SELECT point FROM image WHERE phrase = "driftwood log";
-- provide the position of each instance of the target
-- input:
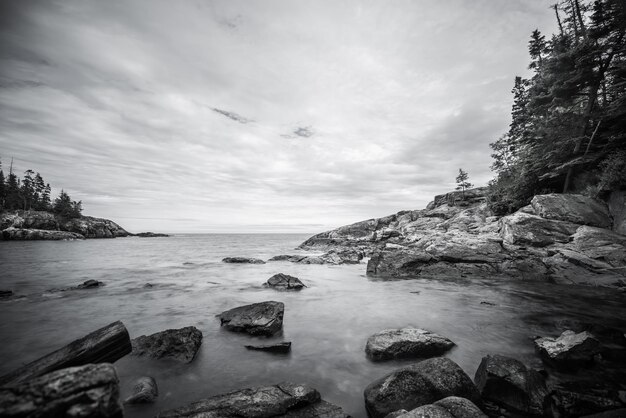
(105, 345)
(86, 391)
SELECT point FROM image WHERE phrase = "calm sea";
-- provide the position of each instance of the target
(328, 322)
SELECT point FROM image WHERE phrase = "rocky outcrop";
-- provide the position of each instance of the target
(177, 344)
(569, 350)
(423, 383)
(265, 318)
(145, 390)
(507, 383)
(450, 407)
(282, 281)
(582, 398)
(557, 238)
(85, 391)
(242, 260)
(282, 347)
(282, 400)
(150, 235)
(40, 225)
(406, 343)
(335, 257)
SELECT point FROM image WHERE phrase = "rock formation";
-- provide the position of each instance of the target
(561, 238)
(406, 343)
(178, 344)
(282, 281)
(264, 318)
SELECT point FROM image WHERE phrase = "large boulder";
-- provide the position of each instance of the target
(573, 208)
(242, 260)
(282, 281)
(406, 343)
(510, 385)
(281, 400)
(91, 390)
(569, 350)
(177, 344)
(420, 384)
(264, 318)
(21, 234)
(617, 208)
(450, 407)
(525, 229)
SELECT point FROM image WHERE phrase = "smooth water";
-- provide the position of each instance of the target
(328, 322)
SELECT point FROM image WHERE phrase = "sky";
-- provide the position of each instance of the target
(258, 116)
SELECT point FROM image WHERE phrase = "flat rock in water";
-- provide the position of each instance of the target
(264, 318)
(569, 350)
(85, 391)
(90, 284)
(282, 400)
(6, 294)
(242, 260)
(282, 281)
(283, 347)
(406, 343)
(150, 235)
(178, 344)
(420, 384)
(145, 390)
(509, 384)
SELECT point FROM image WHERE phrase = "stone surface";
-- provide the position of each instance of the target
(85, 391)
(282, 281)
(284, 400)
(406, 343)
(580, 398)
(569, 350)
(509, 384)
(282, 347)
(460, 407)
(145, 390)
(18, 234)
(617, 209)
(420, 384)
(264, 318)
(91, 227)
(573, 208)
(90, 284)
(242, 260)
(524, 229)
(177, 344)
(150, 235)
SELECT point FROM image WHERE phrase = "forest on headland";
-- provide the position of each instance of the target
(568, 128)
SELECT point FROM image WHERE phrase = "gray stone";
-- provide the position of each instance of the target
(145, 390)
(573, 208)
(20, 234)
(282, 281)
(177, 344)
(569, 350)
(282, 347)
(264, 318)
(242, 260)
(406, 343)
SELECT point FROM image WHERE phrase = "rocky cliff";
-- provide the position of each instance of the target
(36, 225)
(561, 238)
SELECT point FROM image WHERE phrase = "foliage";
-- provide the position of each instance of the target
(462, 181)
(64, 206)
(569, 117)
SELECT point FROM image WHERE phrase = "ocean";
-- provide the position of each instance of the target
(328, 322)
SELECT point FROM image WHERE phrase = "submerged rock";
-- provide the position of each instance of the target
(90, 284)
(420, 384)
(85, 391)
(6, 294)
(282, 347)
(406, 343)
(264, 318)
(282, 281)
(569, 350)
(177, 344)
(281, 400)
(145, 390)
(150, 235)
(509, 384)
(242, 260)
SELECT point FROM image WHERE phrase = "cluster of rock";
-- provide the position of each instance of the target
(334, 257)
(562, 238)
(41, 225)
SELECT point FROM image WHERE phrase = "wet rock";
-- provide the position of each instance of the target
(406, 343)
(242, 260)
(20, 234)
(177, 344)
(145, 390)
(282, 347)
(286, 257)
(284, 400)
(428, 411)
(264, 318)
(579, 398)
(335, 257)
(420, 384)
(91, 390)
(90, 284)
(396, 414)
(282, 281)
(569, 350)
(450, 407)
(509, 384)
(150, 235)
(573, 208)
(6, 294)
(616, 413)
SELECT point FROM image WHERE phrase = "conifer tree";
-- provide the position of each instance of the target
(462, 182)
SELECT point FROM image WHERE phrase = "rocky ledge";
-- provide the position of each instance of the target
(562, 238)
(40, 225)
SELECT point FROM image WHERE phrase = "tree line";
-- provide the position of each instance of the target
(31, 192)
(568, 128)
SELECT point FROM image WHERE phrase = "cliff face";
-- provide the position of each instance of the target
(35, 225)
(559, 238)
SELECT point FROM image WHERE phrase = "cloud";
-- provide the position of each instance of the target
(130, 105)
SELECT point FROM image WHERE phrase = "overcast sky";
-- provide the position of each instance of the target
(252, 116)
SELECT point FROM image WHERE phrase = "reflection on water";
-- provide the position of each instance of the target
(328, 322)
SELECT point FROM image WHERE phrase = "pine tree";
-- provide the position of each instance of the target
(65, 207)
(3, 192)
(462, 182)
